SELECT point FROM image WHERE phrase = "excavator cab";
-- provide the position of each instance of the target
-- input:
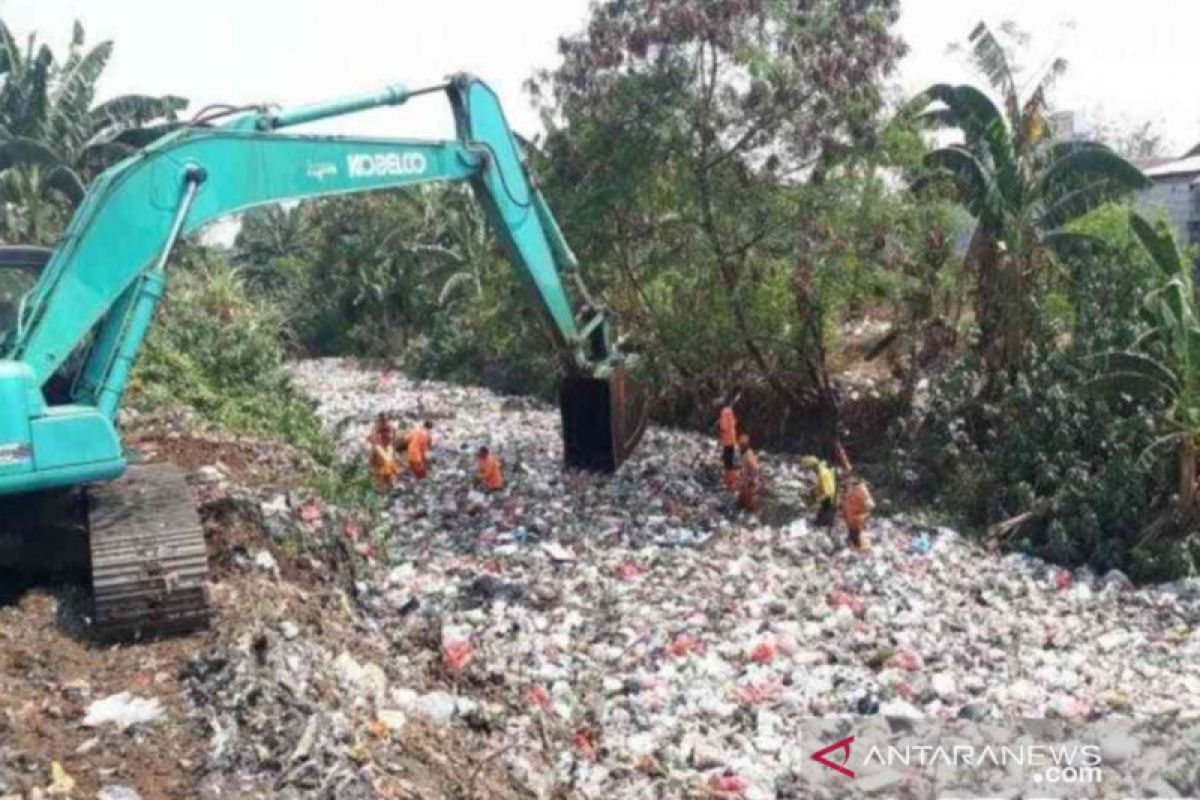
(603, 416)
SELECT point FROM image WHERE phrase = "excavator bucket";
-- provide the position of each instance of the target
(603, 420)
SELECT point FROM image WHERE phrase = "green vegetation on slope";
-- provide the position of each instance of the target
(221, 353)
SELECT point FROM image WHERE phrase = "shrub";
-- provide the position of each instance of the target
(222, 354)
(1046, 446)
(1047, 441)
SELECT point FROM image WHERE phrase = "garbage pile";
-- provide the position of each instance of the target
(646, 639)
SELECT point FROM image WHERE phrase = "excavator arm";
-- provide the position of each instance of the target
(126, 222)
(104, 280)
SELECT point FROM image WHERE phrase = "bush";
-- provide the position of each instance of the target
(1048, 442)
(1046, 446)
(222, 354)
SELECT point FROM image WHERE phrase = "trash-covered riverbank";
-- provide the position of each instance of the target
(573, 636)
(670, 642)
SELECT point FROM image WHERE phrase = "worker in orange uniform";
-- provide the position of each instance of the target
(750, 477)
(385, 469)
(855, 509)
(728, 436)
(419, 442)
(489, 470)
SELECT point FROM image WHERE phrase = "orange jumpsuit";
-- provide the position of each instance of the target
(419, 442)
(857, 506)
(490, 474)
(728, 438)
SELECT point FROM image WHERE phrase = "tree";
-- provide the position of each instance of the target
(689, 141)
(1023, 188)
(275, 249)
(367, 273)
(54, 139)
(1164, 366)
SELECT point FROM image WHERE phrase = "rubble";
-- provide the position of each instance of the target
(360, 681)
(266, 562)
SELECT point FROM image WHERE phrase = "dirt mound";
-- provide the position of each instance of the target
(225, 715)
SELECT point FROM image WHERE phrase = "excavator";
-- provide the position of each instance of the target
(68, 344)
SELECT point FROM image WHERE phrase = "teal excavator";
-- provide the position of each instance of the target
(69, 343)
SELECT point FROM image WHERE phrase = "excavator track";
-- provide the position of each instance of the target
(149, 561)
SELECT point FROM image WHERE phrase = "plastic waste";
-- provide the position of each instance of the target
(123, 710)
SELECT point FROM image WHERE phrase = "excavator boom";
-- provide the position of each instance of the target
(98, 293)
(105, 278)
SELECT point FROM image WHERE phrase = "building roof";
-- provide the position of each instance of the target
(1184, 166)
(1153, 161)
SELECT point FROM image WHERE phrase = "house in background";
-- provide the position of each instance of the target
(1175, 195)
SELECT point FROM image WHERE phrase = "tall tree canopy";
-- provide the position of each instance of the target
(689, 141)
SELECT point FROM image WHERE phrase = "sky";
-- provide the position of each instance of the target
(1129, 62)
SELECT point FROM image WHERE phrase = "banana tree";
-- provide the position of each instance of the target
(1022, 186)
(53, 137)
(1164, 365)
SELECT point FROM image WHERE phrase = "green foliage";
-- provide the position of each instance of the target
(1107, 284)
(699, 155)
(14, 283)
(1164, 365)
(413, 276)
(348, 484)
(217, 351)
(689, 194)
(1048, 445)
(1023, 187)
(1053, 443)
(53, 139)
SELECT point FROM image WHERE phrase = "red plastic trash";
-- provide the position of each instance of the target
(627, 570)
(906, 660)
(729, 785)
(683, 644)
(582, 741)
(763, 653)
(1063, 579)
(457, 655)
(760, 692)
(540, 697)
(839, 598)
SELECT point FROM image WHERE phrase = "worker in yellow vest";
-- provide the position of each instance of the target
(825, 491)
(385, 469)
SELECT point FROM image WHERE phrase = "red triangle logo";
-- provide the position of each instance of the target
(843, 745)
